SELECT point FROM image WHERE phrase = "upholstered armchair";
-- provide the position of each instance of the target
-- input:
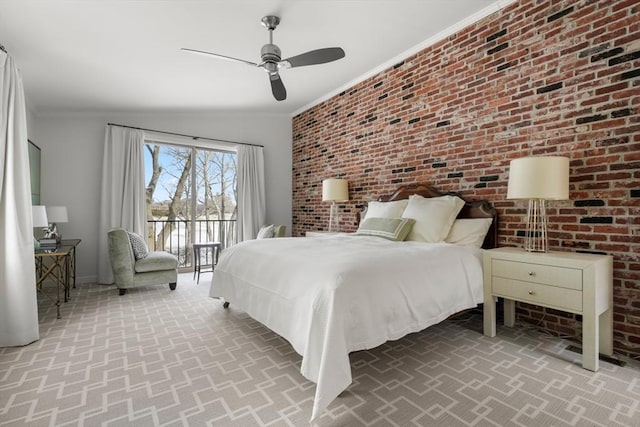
(154, 268)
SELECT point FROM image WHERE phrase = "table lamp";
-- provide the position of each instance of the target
(39, 215)
(56, 214)
(538, 179)
(334, 190)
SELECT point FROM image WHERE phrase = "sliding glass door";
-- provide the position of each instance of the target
(191, 198)
(215, 190)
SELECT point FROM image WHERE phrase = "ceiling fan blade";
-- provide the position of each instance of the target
(318, 56)
(215, 55)
(277, 87)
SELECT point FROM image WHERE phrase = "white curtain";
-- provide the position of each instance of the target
(18, 301)
(251, 192)
(122, 198)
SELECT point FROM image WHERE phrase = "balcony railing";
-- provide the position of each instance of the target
(176, 237)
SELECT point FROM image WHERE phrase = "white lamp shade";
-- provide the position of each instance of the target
(39, 214)
(335, 190)
(57, 214)
(542, 178)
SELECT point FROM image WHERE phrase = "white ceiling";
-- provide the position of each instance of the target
(124, 55)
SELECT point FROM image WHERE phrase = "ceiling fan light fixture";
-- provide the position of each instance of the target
(270, 67)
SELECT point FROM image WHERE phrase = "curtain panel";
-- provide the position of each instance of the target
(251, 191)
(122, 197)
(18, 300)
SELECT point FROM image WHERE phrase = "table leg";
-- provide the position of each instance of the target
(489, 316)
(67, 276)
(605, 331)
(590, 327)
(509, 312)
(73, 266)
(198, 266)
(58, 315)
(195, 263)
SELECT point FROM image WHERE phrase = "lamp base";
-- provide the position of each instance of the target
(331, 214)
(536, 231)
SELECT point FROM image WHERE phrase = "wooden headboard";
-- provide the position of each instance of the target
(471, 209)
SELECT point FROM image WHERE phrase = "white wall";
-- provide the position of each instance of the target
(72, 146)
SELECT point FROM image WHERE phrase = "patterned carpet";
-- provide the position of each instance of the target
(160, 358)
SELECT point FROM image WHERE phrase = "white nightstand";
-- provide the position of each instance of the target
(566, 281)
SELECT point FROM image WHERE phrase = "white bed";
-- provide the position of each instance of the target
(329, 296)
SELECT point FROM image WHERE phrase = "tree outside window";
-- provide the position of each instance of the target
(189, 201)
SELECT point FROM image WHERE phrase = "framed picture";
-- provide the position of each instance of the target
(34, 167)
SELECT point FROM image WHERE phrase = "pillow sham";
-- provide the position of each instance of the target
(434, 217)
(266, 231)
(469, 232)
(139, 246)
(385, 209)
(396, 229)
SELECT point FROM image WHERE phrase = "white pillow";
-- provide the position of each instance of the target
(469, 232)
(266, 232)
(385, 209)
(434, 217)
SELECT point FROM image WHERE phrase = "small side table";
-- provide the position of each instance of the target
(57, 264)
(572, 282)
(54, 264)
(215, 247)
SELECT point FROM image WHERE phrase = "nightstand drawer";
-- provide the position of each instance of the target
(535, 293)
(564, 277)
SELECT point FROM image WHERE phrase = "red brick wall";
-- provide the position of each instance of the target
(539, 77)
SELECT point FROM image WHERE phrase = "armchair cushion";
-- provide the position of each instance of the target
(156, 261)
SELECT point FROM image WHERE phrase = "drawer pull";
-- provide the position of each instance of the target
(531, 293)
(531, 273)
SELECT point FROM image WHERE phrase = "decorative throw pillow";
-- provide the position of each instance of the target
(266, 232)
(434, 217)
(469, 232)
(385, 209)
(138, 245)
(396, 229)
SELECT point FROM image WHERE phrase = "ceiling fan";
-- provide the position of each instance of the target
(271, 60)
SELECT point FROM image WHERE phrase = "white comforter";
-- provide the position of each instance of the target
(332, 295)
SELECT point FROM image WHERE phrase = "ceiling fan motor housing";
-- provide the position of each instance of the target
(270, 52)
(270, 55)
